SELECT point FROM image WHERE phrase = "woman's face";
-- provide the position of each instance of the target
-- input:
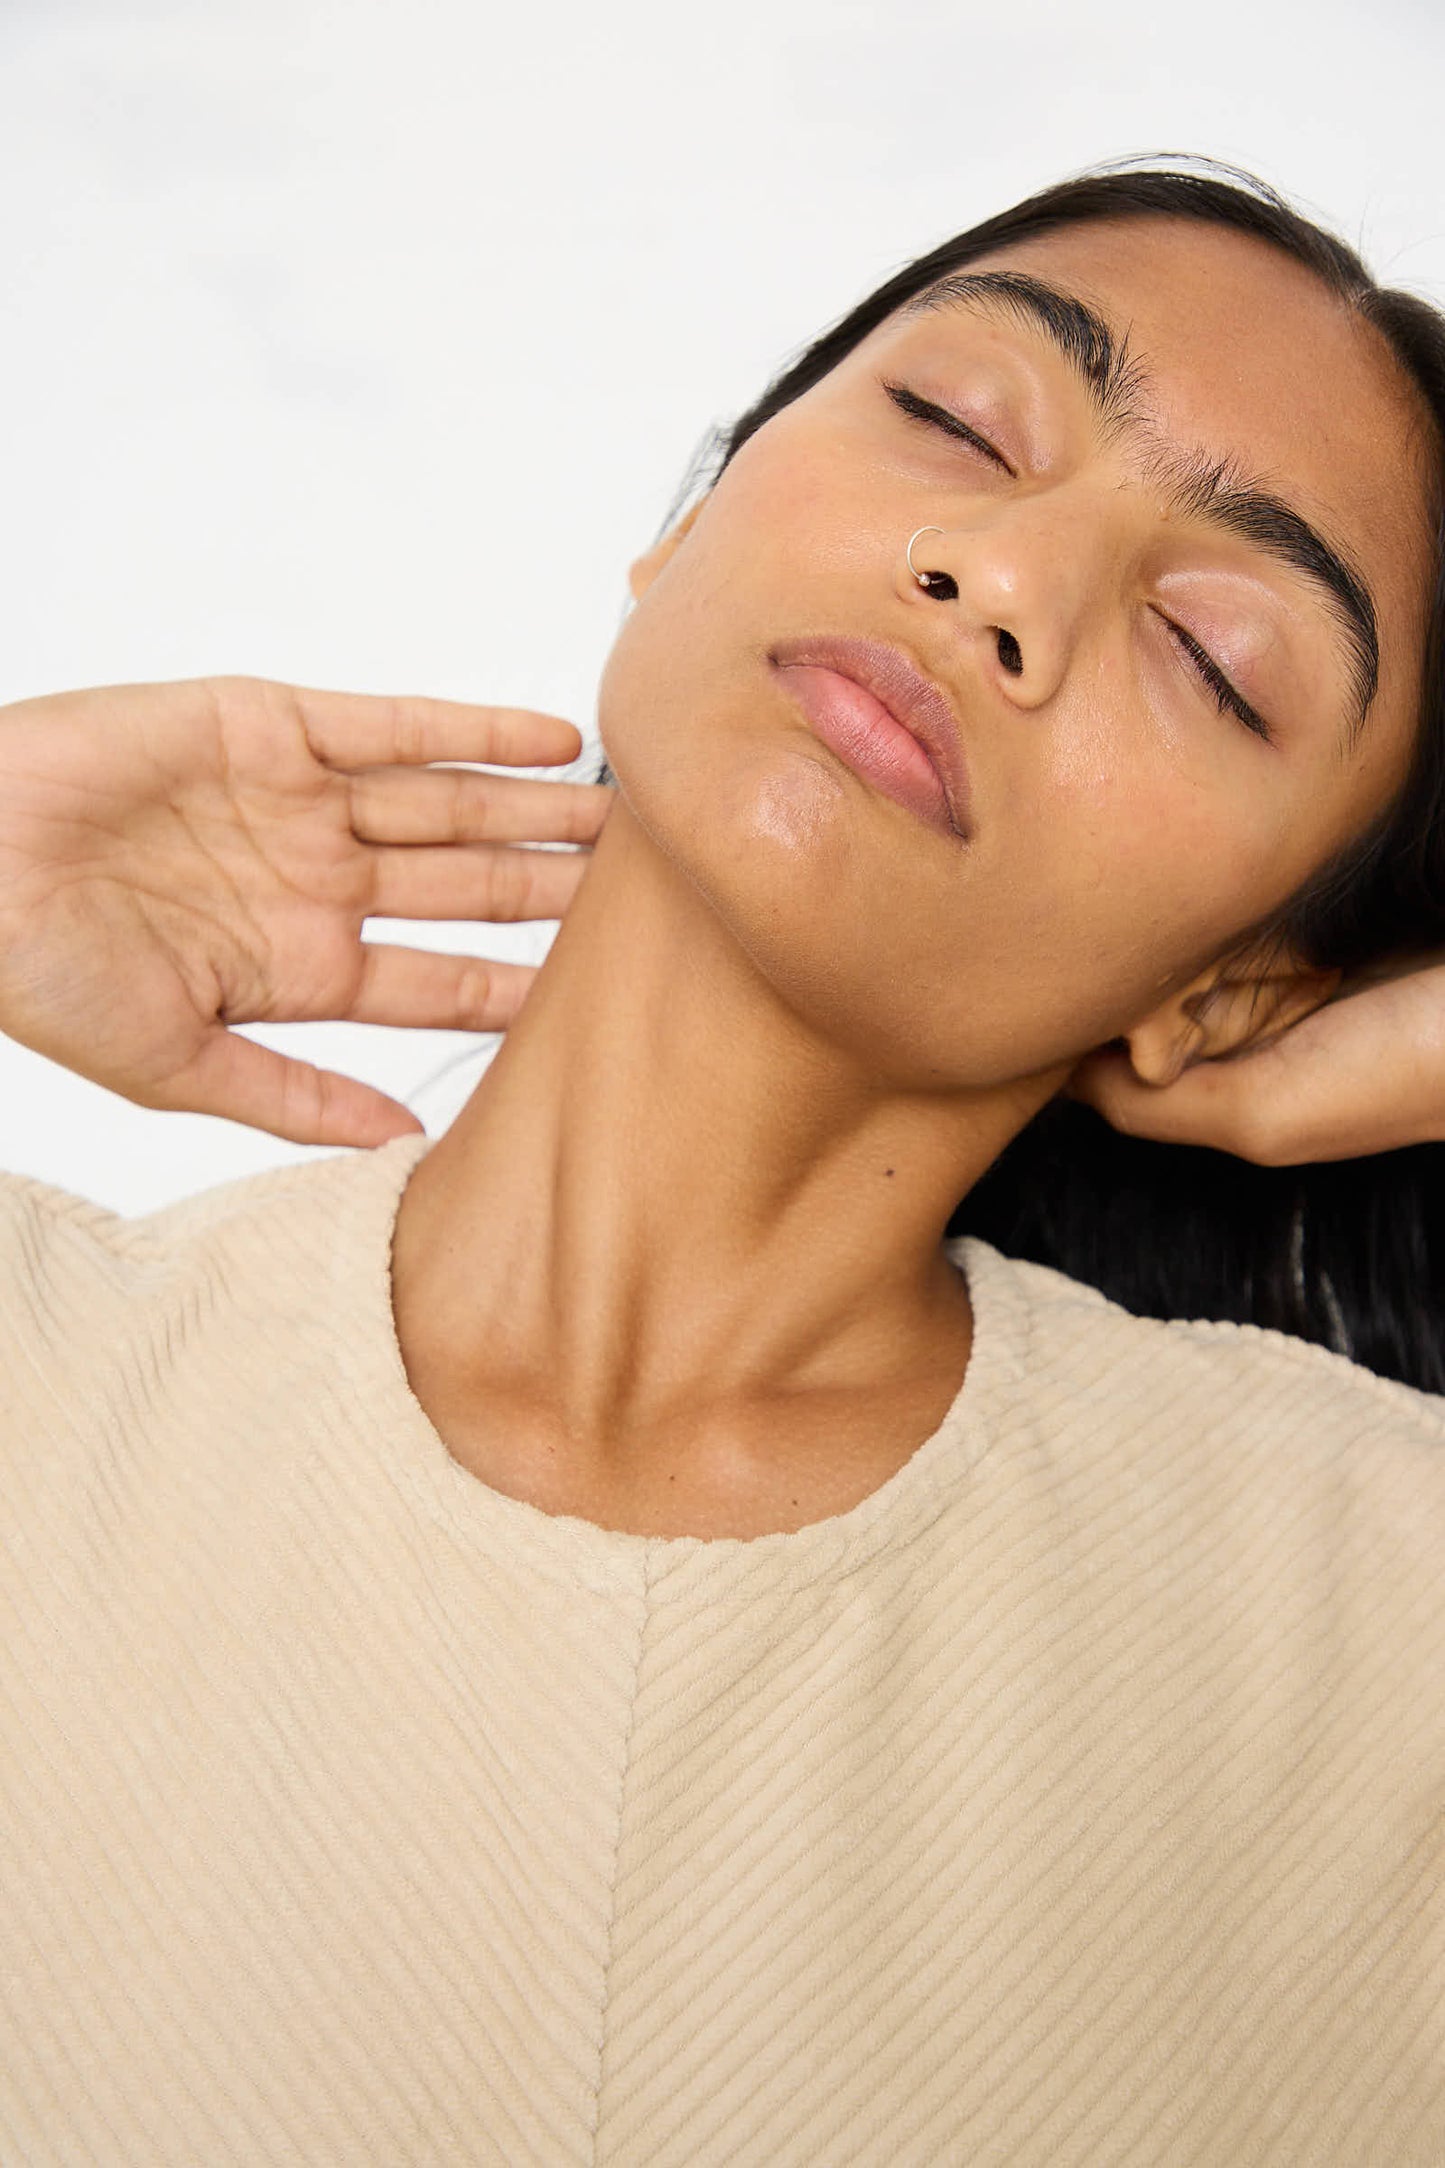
(1124, 828)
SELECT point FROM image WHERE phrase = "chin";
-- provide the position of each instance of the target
(789, 797)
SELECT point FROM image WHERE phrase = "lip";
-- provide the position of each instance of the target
(913, 701)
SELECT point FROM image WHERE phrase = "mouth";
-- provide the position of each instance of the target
(865, 730)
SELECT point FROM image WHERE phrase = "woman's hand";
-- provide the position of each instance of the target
(1364, 1073)
(178, 858)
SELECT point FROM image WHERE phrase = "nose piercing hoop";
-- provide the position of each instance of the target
(923, 578)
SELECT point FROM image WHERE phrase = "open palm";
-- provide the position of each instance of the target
(175, 859)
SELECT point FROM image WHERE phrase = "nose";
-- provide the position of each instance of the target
(1004, 597)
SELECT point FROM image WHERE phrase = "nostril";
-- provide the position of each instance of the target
(1010, 654)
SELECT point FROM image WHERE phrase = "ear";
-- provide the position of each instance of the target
(644, 570)
(1233, 1004)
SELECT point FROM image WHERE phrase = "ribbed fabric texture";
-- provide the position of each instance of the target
(1076, 1800)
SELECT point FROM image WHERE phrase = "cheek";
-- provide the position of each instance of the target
(1145, 862)
(793, 464)
(699, 735)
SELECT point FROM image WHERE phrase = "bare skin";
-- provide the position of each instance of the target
(1364, 1073)
(676, 1268)
(176, 859)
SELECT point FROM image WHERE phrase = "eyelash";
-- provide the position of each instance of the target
(937, 417)
(1228, 700)
(1224, 693)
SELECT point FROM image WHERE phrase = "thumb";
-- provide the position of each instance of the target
(231, 1076)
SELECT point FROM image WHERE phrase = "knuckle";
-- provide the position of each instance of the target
(362, 801)
(1120, 1112)
(515, 879)
(469, 805)
(226, 685)
(585, 815)
(407, 731)
(305, 1092)
(1256, 1133)
(233, 692)
(1117, 1106)
(475, 983)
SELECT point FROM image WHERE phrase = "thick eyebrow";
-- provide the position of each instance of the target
(1199, 487)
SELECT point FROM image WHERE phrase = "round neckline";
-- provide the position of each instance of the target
(568, 1548)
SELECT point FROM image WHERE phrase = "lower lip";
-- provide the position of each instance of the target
(860, 730)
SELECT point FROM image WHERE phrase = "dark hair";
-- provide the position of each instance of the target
(1350, 1253)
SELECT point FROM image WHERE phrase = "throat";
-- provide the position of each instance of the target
(768, 1468)
(747, 1462)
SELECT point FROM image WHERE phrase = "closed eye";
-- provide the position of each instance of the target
(1205, 668)
(1229, 701)
(937, 417)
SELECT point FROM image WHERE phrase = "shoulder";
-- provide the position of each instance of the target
(42, 1225)
(1198, 1373)
(142, 1358)
(76, 1276)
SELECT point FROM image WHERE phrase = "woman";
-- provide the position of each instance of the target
(607, 1637)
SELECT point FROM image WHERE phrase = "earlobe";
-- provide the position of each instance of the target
(1159, 1047)
(1223, 1012)
(644, 570)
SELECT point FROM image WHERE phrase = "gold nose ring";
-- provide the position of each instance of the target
(922, 578)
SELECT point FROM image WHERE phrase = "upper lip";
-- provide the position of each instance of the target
(910, 697)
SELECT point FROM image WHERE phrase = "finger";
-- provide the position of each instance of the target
(473, 880)
(352, 730)
(434, 992)
(455, 805)
(235, 1078)
(1215, 1103)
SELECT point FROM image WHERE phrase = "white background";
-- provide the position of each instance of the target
(363, 345)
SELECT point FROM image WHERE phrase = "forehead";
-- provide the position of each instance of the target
(1248, 358)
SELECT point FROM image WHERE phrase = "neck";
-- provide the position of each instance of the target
(669, 1197)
